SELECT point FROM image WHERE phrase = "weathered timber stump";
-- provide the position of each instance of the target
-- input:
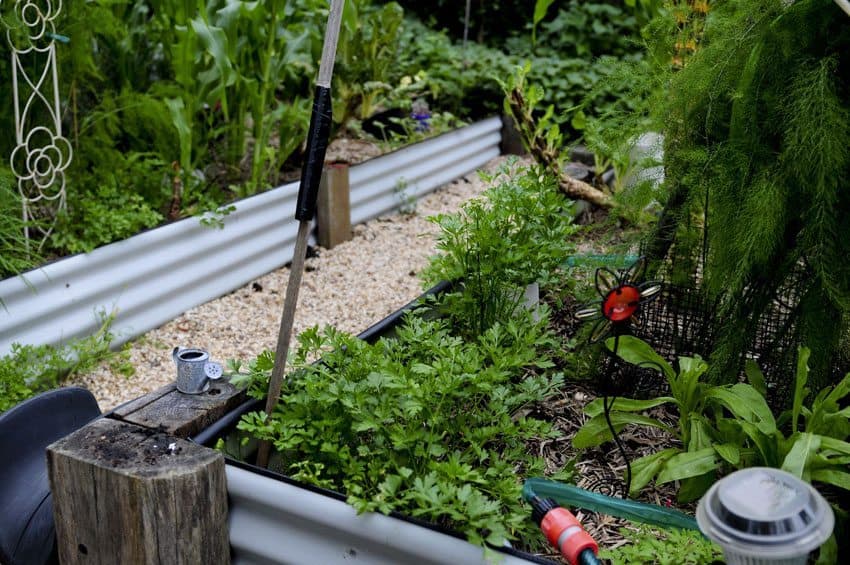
(128, 488)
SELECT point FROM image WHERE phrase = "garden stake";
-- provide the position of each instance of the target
(311, 174)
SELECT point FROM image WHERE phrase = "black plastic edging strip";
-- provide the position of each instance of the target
(226, 423)
(376, 331)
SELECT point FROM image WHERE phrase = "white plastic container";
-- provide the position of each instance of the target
(765, 516)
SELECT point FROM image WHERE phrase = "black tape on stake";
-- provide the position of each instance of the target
(317, 145)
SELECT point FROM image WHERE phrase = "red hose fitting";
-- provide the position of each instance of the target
(563, 530)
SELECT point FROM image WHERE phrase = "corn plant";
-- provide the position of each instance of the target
(366, 59)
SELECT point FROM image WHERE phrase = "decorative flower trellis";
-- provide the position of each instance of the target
(42, 153)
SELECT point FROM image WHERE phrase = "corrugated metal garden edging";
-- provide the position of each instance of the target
(153, 277)
(275, 523)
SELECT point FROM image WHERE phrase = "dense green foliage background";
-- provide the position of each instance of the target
(758, 156)
(174, 108)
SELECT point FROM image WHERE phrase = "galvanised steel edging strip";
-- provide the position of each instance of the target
(418, 169)
(275, 523)
(153, 277)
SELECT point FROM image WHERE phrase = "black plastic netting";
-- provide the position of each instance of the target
(682, 321)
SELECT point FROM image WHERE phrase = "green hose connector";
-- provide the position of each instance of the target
(571, 496)
(594, 260)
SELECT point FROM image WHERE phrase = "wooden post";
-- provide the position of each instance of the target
(127, 494)
(182, 415)
(333, 208)
(127, 488)
(511, 143)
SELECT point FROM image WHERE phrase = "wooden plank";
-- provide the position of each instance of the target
(142, 401)
(183, 415)
(126, 494)
(333, 206)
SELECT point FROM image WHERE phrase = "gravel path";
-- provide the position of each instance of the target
(350, 287)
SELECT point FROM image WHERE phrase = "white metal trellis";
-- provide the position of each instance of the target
(42, 153)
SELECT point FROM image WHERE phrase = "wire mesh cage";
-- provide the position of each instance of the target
(684, 321)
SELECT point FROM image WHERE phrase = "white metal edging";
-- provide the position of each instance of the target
(275, 523)
(153, 277)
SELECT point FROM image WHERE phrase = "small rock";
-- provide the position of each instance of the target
(582, 155)
(579, 171)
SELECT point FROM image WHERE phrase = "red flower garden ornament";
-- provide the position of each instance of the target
(622, 296)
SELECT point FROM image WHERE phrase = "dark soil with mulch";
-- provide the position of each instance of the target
(602, 469)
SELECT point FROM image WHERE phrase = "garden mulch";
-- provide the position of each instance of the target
(602, 469)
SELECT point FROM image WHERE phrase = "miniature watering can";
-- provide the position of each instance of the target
(194, 370)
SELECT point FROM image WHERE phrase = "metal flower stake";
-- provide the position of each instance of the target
(42, 153)
(622, 294)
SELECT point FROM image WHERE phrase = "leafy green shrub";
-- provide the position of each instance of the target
(110, 209)
(728, 427)
(518, 233)
(648, 546)
(365, 60)
(494, 23)
(459, 81)
(424, 423)
(31, 369)
(582, 30)
(466, 81)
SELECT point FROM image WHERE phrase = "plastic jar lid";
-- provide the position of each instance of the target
(764, 512)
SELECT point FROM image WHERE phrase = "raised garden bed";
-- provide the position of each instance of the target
(311, 523)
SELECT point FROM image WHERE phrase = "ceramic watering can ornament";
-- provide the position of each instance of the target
(194, 370)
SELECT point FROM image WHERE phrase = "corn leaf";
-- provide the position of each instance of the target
(645, 468)
(640, 353)
(833, 477)
(747, 404)
(797, 461)
(596, 432)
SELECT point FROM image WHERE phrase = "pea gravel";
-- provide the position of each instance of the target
(350, 287)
